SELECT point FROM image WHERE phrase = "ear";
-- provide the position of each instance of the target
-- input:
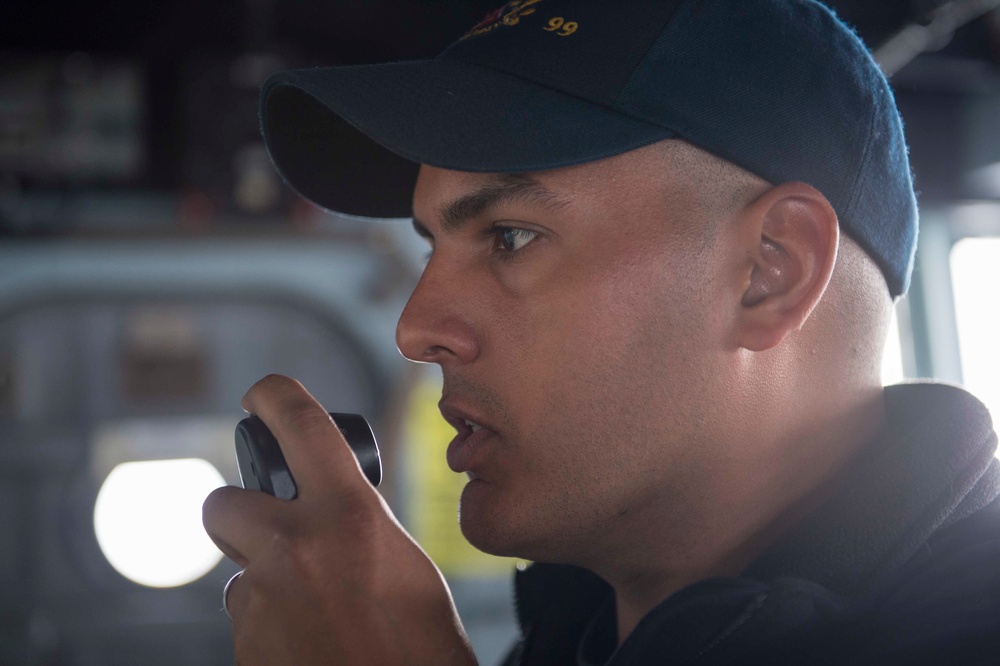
(790, 236)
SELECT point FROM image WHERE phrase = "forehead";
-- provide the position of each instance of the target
(637, 174)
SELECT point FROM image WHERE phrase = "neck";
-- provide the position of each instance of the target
(757, 497)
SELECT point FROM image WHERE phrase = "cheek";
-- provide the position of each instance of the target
(618, 345)
(632, 355)
(645, 320)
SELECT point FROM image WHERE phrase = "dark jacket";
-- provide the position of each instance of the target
(901, 566)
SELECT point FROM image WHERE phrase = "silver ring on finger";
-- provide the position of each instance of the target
(225, 594)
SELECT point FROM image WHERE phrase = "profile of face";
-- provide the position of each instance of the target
(579, 317)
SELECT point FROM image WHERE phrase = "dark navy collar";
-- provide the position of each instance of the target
(934, 468)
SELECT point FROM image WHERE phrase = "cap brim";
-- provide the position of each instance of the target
(351, 139)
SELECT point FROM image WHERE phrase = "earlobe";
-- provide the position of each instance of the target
(792, 241)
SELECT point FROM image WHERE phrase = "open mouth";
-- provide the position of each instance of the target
(462, 423)
(470, 446)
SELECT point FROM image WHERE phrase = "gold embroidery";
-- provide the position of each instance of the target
(565, 28)
(512, 13)
(509, 14)
(519, 9)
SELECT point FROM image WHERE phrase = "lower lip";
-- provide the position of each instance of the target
(465, 454)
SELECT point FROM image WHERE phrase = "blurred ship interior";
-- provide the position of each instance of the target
(153, 266)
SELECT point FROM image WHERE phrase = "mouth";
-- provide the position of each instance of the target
(471, 444)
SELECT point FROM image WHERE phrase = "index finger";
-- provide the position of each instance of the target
(313, 445)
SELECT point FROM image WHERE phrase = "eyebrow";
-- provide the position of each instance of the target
(502, 189)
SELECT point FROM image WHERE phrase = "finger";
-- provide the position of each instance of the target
(315, 450)
(237, 521)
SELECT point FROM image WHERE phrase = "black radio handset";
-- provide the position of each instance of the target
(262, 465)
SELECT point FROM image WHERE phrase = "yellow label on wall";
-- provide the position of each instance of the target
(434, 490)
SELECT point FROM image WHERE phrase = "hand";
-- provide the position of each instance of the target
(329, 577)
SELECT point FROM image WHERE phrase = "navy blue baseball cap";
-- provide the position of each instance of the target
(781, 88)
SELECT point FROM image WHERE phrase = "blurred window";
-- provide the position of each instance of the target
(147, 519)
(892, 357)
(975, 274)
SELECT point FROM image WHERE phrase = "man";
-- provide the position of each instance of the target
(666, 237)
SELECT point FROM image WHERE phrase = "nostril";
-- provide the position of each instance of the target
(434, 352)
(431, 340)
(409, 342)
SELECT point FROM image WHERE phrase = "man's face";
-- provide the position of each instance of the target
(575, 314)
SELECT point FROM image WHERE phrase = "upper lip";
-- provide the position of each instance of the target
(457, 416)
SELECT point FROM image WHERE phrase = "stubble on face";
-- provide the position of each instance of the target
(602, 378)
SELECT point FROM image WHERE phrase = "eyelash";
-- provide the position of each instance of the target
(499, 232)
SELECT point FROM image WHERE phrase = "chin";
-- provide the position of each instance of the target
(492, 543)
(486, 523)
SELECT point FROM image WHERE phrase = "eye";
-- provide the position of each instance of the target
(512, 239)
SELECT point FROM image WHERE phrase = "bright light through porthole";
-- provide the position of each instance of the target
(148, 520)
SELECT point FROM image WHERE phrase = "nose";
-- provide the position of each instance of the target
(435, 325)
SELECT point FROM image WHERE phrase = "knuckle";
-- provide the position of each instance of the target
(274, 385)
(350, 533)
(214, 503)
(306, 417)
(304, 562)
(307, 559)
(360, 511)
(274, 379)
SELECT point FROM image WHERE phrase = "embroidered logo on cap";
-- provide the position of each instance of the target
(509, 14)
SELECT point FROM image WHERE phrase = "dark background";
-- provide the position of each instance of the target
(199, 63)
